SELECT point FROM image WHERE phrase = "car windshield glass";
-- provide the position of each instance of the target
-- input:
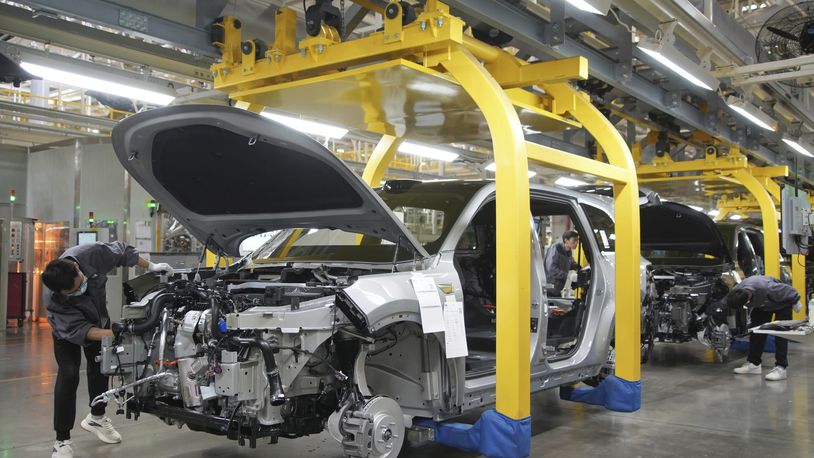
(427, 210)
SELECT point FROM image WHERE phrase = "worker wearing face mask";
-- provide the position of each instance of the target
(79, 319)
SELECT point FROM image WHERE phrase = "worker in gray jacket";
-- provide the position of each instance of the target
(79, 319)
(765, 296)
(559, 261)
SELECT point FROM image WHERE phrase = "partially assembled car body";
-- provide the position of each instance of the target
(322, 326)
(692, 271)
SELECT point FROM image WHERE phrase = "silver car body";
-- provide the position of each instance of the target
(412, 368)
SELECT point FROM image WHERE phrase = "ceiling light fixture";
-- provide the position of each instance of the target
(667, 55)
(570, 182)
(492, 167)
(713, 213)
(308, 127)
(600, 7)
(799, 148)
(97, 84)
(696, 208)
(735, 217)
(751, 112)
(427, 151)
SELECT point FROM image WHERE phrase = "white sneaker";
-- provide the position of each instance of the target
(102, 428)
(778, 373)
(62, 449)
(749, 368)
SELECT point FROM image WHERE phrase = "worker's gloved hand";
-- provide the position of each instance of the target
(797, 307)
(161, 267)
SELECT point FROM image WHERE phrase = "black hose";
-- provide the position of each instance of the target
(272, 373)
(159, 304)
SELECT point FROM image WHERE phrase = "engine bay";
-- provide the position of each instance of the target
(686, 304)
(215, 354)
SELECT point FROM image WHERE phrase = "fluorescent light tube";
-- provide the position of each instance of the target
(713, 213)
(308, 127)
(696, 208)
(569, 182)
(97, 84)
(585, 6)
(751, 112)
(798, 147)
(493, 166)
(735, 217)
(427, 151)
(679, 63)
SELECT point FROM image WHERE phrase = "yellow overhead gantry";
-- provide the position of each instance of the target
(765, 198)
(733, 167)
(431, 70)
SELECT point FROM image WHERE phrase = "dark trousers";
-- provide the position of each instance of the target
(758, 341)
(69, 357)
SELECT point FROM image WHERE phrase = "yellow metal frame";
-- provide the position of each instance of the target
(733, 167)
(436, 40)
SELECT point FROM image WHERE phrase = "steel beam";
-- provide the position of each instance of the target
(57, 116)
(48, 129)
(528, 33)
(139, 23)
(72, 35)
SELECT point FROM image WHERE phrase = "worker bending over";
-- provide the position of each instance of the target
(765, 296)
(79, 319)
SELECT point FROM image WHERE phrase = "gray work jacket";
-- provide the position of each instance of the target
(558, 261)
(768, 293)
(72, 317)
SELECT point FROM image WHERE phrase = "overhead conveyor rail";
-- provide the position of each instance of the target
(366, 84)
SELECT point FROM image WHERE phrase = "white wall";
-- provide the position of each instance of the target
(102, 185)
(51, 181)
(13, 176)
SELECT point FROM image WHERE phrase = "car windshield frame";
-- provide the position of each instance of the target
(449, 198)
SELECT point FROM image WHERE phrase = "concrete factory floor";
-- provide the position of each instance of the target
(691, 406)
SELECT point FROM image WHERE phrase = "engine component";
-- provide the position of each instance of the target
(276, 395)
(687, 306)
(190, 371)
(236, 378)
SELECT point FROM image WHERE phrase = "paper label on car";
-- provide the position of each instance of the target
(455, 332)
(429, 303)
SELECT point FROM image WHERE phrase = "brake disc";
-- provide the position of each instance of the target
(374, 430)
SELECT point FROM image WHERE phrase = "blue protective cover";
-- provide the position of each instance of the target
(494, 435)
(613, 393)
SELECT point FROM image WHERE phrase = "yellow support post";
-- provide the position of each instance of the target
(798, 281)
(771, 239)
(513, 249)
(212, 257)
(382, 155)
(626, 217)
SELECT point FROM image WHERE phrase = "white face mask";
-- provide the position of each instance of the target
(82, 288)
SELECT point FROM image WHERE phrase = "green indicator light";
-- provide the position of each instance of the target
(12, 198)
(110, 221)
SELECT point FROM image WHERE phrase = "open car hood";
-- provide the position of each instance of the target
(228, 174)
(675, 227)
